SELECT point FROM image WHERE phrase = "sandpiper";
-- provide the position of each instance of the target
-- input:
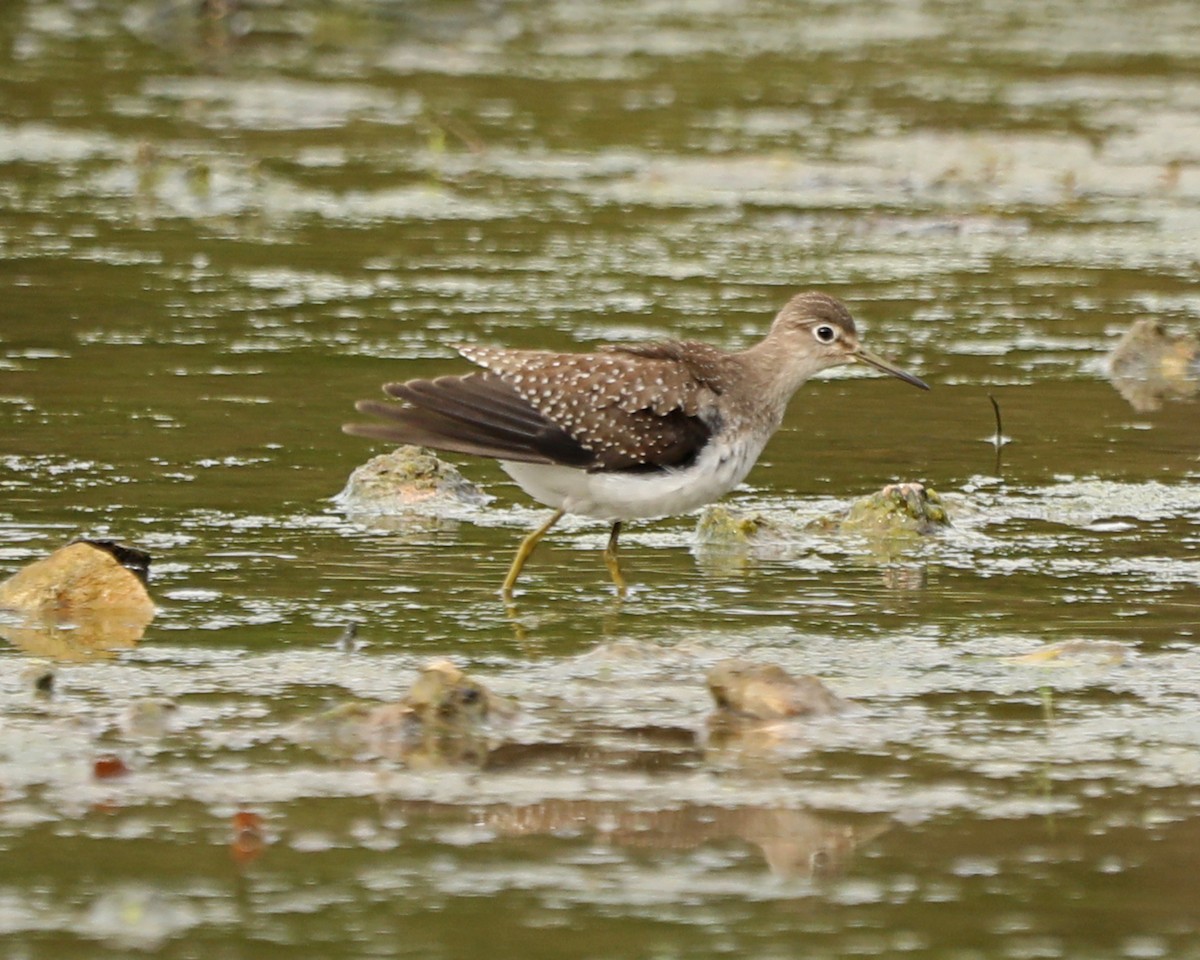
(631, 430)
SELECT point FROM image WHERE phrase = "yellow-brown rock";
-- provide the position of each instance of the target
(442, 720)
(84, 599)
(765, 691)
(1150, 364)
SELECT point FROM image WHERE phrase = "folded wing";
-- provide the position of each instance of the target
(611, 411)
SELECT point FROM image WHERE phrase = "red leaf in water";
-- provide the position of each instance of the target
(108, 767)
(246, 821)
(248, 842)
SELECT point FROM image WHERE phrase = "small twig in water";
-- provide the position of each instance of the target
(464, 133)
(998, 440)
(347, 641)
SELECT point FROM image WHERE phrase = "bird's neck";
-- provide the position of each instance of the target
(775, 370)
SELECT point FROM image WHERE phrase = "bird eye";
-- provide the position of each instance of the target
(825, 333)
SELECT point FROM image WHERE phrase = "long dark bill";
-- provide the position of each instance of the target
(867, 357)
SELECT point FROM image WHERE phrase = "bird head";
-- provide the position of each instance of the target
(822, 330)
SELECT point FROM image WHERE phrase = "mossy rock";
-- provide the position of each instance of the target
(719, 526)
(897, 509)
(405, 478)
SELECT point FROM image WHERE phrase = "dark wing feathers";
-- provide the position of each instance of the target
(624, 409)
(454, 397)
(401, 426)
(474, 414)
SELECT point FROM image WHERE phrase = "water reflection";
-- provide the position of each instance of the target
(794, 843)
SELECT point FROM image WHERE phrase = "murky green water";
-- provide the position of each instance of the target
(220, 228)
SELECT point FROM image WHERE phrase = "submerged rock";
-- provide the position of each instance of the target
(83, 600)
(765, 691)
(719, 526)
(443, 719)
(394, 483)
(1149, 365)
(897, 509)
(1077, 652)
(445, 697)
(728, 539)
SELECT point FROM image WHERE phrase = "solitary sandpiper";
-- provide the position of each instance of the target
(631, 430)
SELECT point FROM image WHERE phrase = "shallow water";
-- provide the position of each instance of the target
(221, 229)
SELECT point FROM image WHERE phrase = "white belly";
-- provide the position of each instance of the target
(627, 496)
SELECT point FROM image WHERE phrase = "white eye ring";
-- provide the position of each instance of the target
(825, 333)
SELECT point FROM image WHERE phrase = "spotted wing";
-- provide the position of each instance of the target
(616, 410)
(478, 414)
(631, 409)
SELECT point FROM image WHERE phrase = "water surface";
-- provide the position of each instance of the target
(221, 228)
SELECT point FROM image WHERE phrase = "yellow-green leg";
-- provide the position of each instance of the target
(525, 551)
(611, 561)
